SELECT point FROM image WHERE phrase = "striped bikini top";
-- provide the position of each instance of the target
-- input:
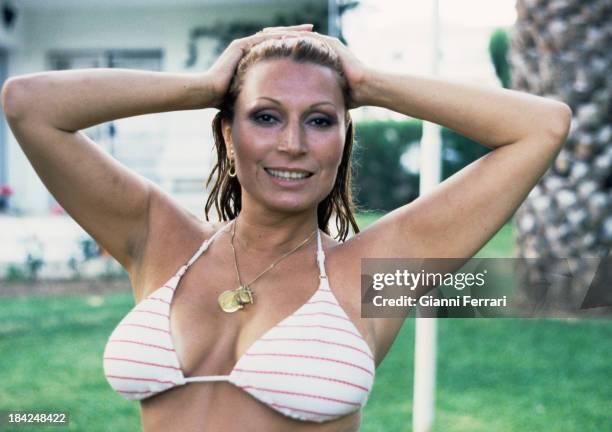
(313, 365)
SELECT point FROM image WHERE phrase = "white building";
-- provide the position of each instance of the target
(173, 149)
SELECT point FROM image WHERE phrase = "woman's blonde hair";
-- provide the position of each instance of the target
(226, 191)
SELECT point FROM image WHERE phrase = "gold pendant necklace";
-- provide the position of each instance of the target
(234, 300)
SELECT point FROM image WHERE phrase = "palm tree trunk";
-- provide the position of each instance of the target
(563, 49)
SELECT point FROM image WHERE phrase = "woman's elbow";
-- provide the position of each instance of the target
(12, 98)
(558, 122)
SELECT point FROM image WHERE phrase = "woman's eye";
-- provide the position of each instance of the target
(321, 121)
(264, 118)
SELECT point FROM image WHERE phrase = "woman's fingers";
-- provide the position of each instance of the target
(275, 33)
(250, 41)
(279, 32)
(302, 27)
(224, 67)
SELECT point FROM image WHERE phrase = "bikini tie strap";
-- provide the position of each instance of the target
(201, 249)
(320, 256)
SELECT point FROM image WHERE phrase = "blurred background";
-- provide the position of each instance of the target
(57, 285)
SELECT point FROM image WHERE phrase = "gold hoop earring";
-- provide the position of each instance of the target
(232, 167)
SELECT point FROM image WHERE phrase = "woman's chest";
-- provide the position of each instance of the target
(293, 310)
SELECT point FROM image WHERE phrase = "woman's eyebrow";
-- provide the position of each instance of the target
(311, 106)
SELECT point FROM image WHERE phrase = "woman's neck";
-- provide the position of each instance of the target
(271, 233)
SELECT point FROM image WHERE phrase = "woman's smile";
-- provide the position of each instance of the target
(289, 178)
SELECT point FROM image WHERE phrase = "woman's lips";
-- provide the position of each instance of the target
(288, 174)
(288, 177)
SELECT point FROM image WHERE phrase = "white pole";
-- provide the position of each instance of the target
(423, 403)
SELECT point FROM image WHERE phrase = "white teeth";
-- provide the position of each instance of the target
(287, 175)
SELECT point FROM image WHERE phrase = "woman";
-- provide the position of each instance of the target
(252, 345)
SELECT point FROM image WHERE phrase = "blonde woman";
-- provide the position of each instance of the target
(253, 322)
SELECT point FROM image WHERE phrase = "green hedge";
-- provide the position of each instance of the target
(381, 182)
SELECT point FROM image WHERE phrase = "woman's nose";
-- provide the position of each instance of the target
(292, 139)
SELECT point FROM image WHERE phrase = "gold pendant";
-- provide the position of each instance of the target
(233, 300)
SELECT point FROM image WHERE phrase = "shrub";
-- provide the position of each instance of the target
(381, 181)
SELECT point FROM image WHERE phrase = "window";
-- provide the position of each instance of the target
(147, 59)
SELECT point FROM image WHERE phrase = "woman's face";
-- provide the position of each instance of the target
(287, 134)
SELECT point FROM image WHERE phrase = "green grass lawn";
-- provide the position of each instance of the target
(493, 374)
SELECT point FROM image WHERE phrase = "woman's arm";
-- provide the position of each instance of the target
(460, 215)
(45, 112)
(491, 116)
(77, 99)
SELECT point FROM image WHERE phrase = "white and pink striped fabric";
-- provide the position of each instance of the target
(313, 365)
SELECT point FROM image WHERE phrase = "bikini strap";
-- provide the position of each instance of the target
(202, 248)
(320, 256)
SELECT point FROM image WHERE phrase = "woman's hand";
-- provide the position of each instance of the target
(221, 72)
